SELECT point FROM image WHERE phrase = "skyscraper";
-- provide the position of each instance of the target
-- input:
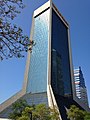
(81, 91)
(49, 71)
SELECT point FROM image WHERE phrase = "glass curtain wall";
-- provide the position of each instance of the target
(61, 76)
(37, 76)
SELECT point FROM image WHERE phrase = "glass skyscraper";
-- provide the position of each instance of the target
(81, 91)
(49, 72)
(50, 67)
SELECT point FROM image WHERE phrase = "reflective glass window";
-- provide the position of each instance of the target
(61, 76)
(37, 77)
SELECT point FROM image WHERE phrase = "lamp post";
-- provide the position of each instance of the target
(30, 113)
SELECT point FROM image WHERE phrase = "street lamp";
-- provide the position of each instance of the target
(30, 113)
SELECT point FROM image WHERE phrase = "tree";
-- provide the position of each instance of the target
(26, 113)
(12, 40)
(54, 113)
(41, 112)
(22, 111)
(75, 113)
(87, 116)
(17, 109)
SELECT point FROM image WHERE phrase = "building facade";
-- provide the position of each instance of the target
(49, 71)
(81, 91)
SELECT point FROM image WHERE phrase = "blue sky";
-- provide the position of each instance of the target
(77, 14)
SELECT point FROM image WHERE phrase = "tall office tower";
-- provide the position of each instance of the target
(49, 71)
(81, 91)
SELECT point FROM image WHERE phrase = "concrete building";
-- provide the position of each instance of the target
(49, 71)
(81, 91)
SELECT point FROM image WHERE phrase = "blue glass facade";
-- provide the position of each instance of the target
(60, 64)
(37, 76)
(61, 84)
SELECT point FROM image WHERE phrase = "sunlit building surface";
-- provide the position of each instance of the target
(81, 91)
(49, 72)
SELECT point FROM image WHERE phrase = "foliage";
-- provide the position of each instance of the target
(76, 114)
(87, 116)
(54, 113)
(41, 112)
(22, 111)
(12, 40)
(17, 109)
(26, 113)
